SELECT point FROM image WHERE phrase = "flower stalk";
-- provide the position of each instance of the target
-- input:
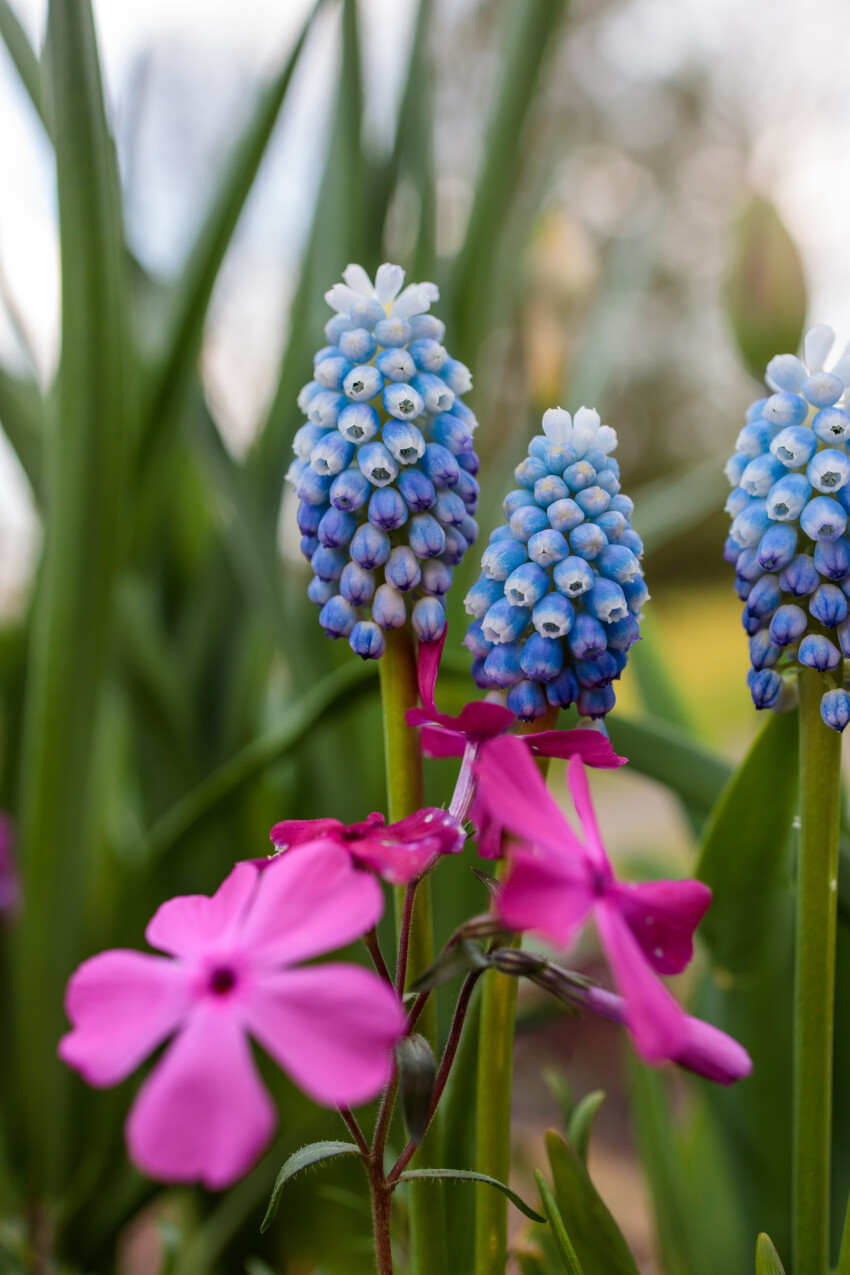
(817, 875)
(399, 692)
(495, 1081)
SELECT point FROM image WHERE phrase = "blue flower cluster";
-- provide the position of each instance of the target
(385, 467)
(561, 588)
(791, 496)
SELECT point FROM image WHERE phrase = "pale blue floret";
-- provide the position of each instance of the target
(786, 499)
(793, 447)
(553, 616)
(823, 519)
(367, 640)
(502, 665)
(832, 425)
(800, 577)
(505, 623)
(766, 688)
(832, 558)
(828, 470)
(760, 474)
(828, 605)
(526, 585)
(527, 700)
(387, 509)
(402, 569)
(428, 619)
(816, 651)
(776, 548)
(338, 617)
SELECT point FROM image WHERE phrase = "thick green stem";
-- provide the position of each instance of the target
(814, 994)
(399, 692)
(495, 1076)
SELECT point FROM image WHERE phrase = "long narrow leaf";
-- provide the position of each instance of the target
(467, 1175)
(194, 289)
(85, 471)
(24, 59)
(21, 412)
(316, 1153)
(566, 1252)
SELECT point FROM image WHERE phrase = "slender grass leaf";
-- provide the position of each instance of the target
(595, 1235)
(672, 757)
(85, 471)
(192, 293)
(21, 412)
(336, 238)
(553, 1216)
(581, 1123)
(767, 1258)
(744, 855)
(342, 687)
(558, 1083)
(24, 59)
(843, 1267)
(532, 36)
(668, 507)
(467, 1175)
(316, 1153)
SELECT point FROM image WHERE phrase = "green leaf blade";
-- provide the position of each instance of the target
(566, 1251)
(468, 1175)
(315, 1153)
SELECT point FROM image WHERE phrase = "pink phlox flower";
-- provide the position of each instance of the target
(482, 720)
(556, 881)
(705, 1050)
(234, 971)
(398, 852)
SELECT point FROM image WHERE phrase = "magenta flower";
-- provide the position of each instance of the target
(704, 1050)
(556, 881)
(398, 852)
(233, 971)
(478, 722)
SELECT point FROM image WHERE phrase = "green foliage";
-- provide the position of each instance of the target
(767, 1258)
(316, 1153)
(467, 1175)
(766, 288)
(566, 1252)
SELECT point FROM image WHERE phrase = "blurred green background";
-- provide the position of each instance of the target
(594, 186)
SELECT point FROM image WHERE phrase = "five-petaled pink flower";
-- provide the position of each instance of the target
(555, 882)
(398, 852)
(232, 972)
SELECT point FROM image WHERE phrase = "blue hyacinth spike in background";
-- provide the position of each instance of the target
(791, 479)
(561, 589)
(385, 466)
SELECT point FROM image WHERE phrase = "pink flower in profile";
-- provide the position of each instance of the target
(556, 881)
(398, 852)
(234, 971)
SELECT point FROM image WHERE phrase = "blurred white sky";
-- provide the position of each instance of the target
(779, 62)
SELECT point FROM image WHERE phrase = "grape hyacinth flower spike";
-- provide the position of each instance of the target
(398, 852)
(233, 970)
(561, 590)
(790, 475)
(555, 882)
(385, 465)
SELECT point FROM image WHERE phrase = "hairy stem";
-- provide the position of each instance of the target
(814, 992)
(399, 692)
(381, 1197)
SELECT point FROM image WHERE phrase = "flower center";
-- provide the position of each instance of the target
(222, 980)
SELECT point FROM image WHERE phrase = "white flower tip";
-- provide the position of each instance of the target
(388, 282)
(817, 344)
(785, 372)
(557, 425)
(339, 298)
(357, 279)
(587, 418)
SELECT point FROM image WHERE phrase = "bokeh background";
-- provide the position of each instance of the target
(626, 203)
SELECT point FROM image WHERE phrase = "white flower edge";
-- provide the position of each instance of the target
(581, 432)
(416, 298)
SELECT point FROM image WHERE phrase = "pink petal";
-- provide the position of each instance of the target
(188, 924)
(331, 1028)
(427, 668)
(481, 719)
(709, 1052)
(122, 1005)
(592, 746)
(489, 831)
(550, 895)
(655, 1019)
(404, 850)
(310, 903)
(291, 832)
(437, 741)
(512, 789)
(577, 780)
(663, 915)
(203, 1114)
